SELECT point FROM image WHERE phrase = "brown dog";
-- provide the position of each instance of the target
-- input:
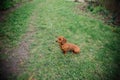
(65, 47)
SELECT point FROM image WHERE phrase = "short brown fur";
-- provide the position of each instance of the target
(65, 47)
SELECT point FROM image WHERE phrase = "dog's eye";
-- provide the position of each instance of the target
(59, 38)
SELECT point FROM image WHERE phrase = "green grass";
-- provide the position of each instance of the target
(99, 57)
(15, 24)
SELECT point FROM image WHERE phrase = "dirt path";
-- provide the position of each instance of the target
(17, 56)
(38, 56)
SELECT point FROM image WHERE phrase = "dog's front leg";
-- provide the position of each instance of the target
(64, 52)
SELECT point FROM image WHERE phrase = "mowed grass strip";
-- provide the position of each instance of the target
(98, 60)
(15, 24)
(96, 40)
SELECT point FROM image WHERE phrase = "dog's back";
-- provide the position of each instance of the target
(70, 47)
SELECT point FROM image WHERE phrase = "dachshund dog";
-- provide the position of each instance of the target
(65, 47)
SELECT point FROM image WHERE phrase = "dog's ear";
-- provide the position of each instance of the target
(64, 41)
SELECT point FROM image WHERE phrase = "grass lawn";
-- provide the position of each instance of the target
(99, 43)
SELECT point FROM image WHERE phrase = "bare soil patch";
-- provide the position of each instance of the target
(17, 56)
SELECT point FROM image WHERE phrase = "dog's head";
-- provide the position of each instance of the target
(61, 40)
